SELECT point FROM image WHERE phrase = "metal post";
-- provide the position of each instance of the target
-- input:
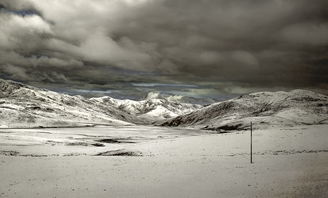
(251, 149)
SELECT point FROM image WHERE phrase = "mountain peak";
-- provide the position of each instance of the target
(153, 95)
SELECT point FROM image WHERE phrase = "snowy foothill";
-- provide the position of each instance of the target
(264, 109)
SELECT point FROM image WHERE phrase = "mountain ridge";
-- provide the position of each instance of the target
(27, 106)
(264, 109)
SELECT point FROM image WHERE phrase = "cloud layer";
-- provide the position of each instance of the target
(98, 43)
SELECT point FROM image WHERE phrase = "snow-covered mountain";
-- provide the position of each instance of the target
(264, 109)
(180, 99)
(154, 107)
(26, 106)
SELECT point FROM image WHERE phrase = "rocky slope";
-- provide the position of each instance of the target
(264, 109)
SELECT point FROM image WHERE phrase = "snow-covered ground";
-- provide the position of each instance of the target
(163, 162)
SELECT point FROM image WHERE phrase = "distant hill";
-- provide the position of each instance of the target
(264, 109)
(154, 107)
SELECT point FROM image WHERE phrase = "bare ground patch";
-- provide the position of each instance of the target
(120, 152)
(116, 141)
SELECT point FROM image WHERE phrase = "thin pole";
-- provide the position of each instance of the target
(251, 149)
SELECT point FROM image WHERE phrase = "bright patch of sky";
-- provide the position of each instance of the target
(163, 85)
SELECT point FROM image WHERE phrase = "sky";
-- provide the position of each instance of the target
(199, 48)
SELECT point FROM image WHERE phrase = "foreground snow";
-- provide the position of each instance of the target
(289, 162)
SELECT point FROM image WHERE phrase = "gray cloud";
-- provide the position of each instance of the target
(307, 33)
(16, 4)
(241, 43)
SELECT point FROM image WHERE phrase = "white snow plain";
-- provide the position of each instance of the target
(141, 161)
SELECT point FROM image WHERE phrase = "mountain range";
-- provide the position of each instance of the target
(27, 106)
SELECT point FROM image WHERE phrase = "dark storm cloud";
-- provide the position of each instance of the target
(16, 5)
(243, 44)
(247, 41)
